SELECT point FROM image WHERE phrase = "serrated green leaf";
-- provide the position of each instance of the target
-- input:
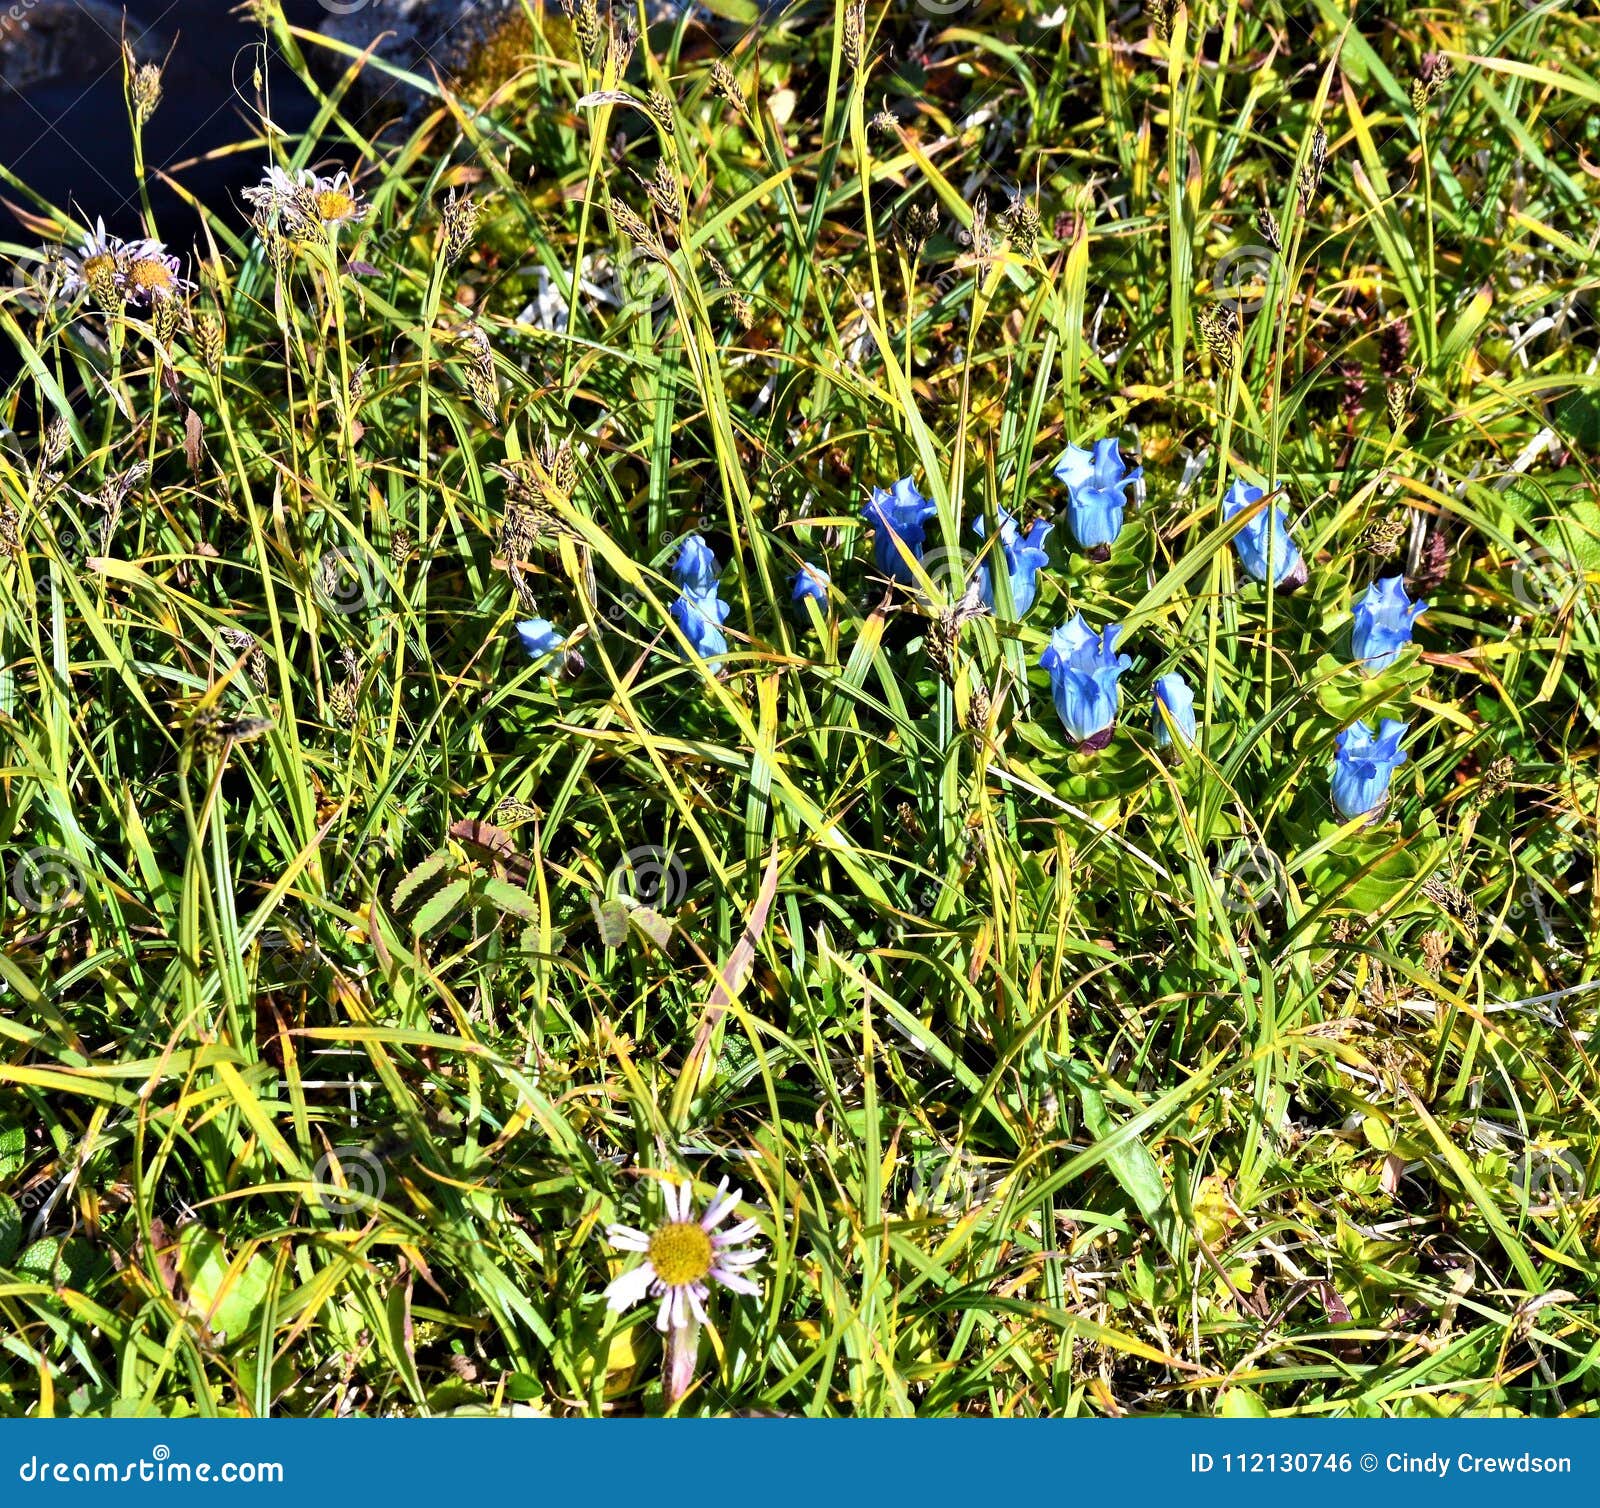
(441, 906)
(416, 880)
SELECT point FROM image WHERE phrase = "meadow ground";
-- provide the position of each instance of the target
(429, 874)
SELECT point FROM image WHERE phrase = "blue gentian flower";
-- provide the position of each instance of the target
(1173, 694)
(1023, 555)
(701, 615)
(1267, 532)
(540, 637)
(1363, 765)
(1096, 482)
(812, 582)
(696, 568)
(1083, 670)
(899, 511)
(1383, 623)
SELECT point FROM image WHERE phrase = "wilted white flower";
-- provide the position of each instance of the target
(684, 1256)
(98, 258)
(305, 201)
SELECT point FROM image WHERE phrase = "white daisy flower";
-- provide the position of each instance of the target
(337, 201)
(684, 1256)
(275, 193)
(150, 274)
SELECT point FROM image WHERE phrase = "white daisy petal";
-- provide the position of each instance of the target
(664, 1315)
(629, 1289)
(721, 1203)
(626, 1238)
(735, 1283)
(734, 1234)
(697, 1301)
(680, 1201)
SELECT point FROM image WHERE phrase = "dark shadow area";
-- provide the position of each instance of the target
(64, 127)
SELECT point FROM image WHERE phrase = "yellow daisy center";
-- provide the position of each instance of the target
(680, 1253)
(333, 204)
(151, 277)
(98, 266)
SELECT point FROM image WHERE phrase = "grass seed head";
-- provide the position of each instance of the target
(727, 85)
(144, 86)
(855, 31)
(1312, 170)
(457, 227)
(56, 435)
(1267, 224)
(661, 111)
(1162, 13)
(1022, 225)
(1219, 325)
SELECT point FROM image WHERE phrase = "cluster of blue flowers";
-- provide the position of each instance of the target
(1083, 665)
(698, 611)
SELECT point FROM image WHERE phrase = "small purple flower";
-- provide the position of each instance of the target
(1023, 555)
(1384, 619)
(1083, 668)
(811, 583)
(1364, 764)
(696, 568)
(701, 614)
(1096, 481)
(898, 512)
(1264, 542)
